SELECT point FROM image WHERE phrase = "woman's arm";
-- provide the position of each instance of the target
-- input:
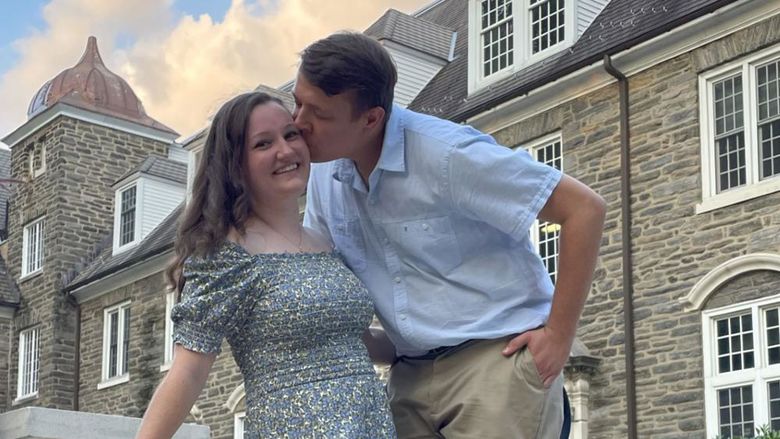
(176, 393)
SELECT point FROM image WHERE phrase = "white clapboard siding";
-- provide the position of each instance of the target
(159, 199)
(587, 10)
(415, 69)
(178, 153)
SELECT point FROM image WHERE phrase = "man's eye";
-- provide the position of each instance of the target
(292, 135)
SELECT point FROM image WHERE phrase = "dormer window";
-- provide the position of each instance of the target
(496, 36)
(38, 159)
(547, 24)
(506, 36)
(126, 216)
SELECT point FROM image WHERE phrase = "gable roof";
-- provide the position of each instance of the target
(621, 25)
(158, 241)
(160, 167)
(413, 32)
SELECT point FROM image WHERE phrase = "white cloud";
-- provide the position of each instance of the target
(181, 70)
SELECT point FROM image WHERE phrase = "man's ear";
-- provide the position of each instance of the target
(374, 117)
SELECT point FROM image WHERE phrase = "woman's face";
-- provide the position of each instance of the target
(275, 158)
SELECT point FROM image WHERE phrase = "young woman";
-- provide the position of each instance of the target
(247, 271)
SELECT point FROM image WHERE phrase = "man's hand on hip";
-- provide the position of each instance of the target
(550, 351)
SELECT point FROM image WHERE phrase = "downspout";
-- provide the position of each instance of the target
(625, 208)
(77, 356)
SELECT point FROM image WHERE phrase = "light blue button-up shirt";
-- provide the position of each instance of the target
(441, 235)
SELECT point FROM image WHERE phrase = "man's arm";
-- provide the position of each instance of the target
(580, 212)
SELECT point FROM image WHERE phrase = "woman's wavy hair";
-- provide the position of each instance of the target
(220, 196)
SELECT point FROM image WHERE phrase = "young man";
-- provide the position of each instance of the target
(434, 218)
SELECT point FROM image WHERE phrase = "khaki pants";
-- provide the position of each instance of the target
(474, 392)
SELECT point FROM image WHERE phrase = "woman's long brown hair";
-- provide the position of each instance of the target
(220, 197)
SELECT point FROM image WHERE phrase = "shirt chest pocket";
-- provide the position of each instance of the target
(427, 244)
(348, 238)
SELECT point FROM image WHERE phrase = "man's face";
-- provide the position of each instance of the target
(327, 122)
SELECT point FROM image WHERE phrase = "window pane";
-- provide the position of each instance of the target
(732, 354)
(735, 410)
(125, 339)
(497, 35)
(731, 161)
(548, 234)
(772, 336)
(769, 139)
(547, 24)
(127, 217)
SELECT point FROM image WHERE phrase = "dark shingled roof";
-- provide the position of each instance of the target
(9, 293)
(422, 35)
(621, 25)
(161, 167)
(158, 241)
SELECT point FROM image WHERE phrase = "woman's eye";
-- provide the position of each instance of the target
(292, 135)
(262, 144)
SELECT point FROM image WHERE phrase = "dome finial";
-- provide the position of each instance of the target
(91, 54)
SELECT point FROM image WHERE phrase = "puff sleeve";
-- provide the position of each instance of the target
(216, 299)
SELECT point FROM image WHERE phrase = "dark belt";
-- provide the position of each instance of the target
(440, 351)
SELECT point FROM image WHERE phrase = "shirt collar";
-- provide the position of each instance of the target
(393, 156)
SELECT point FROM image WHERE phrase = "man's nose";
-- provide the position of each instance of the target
(301, 122)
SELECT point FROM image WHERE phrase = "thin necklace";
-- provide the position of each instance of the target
(300, 236)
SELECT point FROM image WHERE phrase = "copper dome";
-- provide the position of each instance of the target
(91, 86)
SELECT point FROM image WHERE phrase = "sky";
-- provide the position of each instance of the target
(183, 58)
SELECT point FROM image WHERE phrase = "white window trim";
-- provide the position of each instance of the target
(25, 242)
(711, 200)
(107, 381)
(36, 172)
(238, 425)
(522, 42)
(757, 377)
(139, 194)
(170, 300)
(20, 396)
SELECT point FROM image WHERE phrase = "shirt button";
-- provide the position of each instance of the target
(403, 317)
(385, 241)
(425, 226)
(397, 280)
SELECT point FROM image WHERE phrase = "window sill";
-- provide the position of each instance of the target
(114, 381)
(24, 399)
(165, 367)
(739, 195)
(32, 275)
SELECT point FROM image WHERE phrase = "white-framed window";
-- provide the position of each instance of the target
(32, 247)
(38, 159)
(116, 343)
(546, 236)
(238, 425)
(127, 215)
(740, 130)
(507, 35)
(170, 300)
(27, 381)
(742, 367)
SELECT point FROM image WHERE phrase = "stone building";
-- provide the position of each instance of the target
(670, 110)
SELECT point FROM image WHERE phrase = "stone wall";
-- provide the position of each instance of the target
(146, 354)
(673, 247)
(83, 160)
(6, 334)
